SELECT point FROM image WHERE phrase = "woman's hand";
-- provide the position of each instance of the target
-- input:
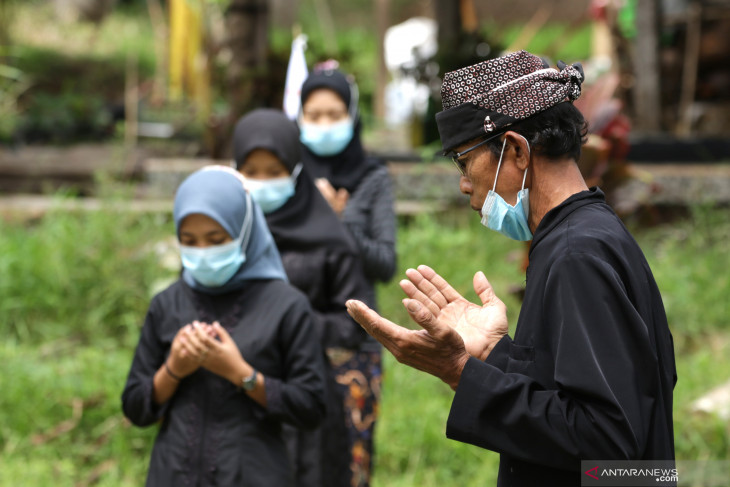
(188, 351)
(186, 355)
(223, 357)
(337, 198)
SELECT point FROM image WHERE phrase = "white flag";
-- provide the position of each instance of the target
(296, 73)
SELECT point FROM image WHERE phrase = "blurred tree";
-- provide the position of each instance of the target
(160, 27)
(646, 66)
(382, 9)
(253, 77)
(5, 21)
(247, 39)
(94, 11)
(460, 43)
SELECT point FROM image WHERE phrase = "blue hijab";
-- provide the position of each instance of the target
(217, 192)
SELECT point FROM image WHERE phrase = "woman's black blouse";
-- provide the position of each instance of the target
(211, 432)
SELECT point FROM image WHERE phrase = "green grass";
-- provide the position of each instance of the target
(76, 275)
(75, 288)
(569, 43)
(41, 381)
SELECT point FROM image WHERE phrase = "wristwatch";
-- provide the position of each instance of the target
(248, 383)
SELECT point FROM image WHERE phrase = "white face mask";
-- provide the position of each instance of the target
(498, 215)
(327, 140)
(271, 194)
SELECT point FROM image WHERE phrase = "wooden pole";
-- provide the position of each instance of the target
(689, 72)
(324, 14)
(469, 18)
(381, 20)
(647, 90)
(159, 27)
(447, 14)
(131, 102)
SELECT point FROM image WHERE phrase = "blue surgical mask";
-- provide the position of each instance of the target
(271, 194)
(215, 265)
(327, 140)
(499, 215)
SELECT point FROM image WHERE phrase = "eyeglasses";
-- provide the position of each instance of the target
(461, 164)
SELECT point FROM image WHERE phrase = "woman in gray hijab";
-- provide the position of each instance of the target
(228, 352)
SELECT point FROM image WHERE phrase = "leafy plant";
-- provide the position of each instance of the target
(77, 274)
(12, 85)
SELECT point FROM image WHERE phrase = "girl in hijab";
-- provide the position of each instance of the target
(320, 259)
(358, 188)
(227, 353)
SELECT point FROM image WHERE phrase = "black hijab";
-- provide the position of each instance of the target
(306, 220)
(346, 169)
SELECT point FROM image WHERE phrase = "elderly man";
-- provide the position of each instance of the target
(590, 371)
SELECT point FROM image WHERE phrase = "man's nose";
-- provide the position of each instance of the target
(465, 185)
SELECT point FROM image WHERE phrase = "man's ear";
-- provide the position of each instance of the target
(521, 149)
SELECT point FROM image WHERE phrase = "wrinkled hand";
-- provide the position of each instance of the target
(223, 357)
(434, 300)
(437, 349)
(187, 351)
(337, 198)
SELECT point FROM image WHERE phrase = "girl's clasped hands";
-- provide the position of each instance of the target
(199, 344)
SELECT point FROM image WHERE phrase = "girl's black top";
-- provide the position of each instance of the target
(211, 432)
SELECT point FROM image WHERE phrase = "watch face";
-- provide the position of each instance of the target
(250, 382)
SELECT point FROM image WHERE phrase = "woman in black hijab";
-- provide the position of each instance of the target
(320, 259)
(358, 188)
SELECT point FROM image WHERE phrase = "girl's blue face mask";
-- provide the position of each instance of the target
(215, 265)
(271, 194)
(327, 140)
(506, 219)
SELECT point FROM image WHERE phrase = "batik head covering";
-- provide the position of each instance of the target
(306, 220)
(486, 99)
(218, 193)
(346, 169)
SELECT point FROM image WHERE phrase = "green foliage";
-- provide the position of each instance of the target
(76, 274)
(557, 41)
(411, 445)
(73, 74)
(41, 441)
(66, 117)
(12, 85)
(690, 262)
(700, 436)
(354, 49)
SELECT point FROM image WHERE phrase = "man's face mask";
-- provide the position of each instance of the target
(327, 140)
(271, 194)
(506, 219)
